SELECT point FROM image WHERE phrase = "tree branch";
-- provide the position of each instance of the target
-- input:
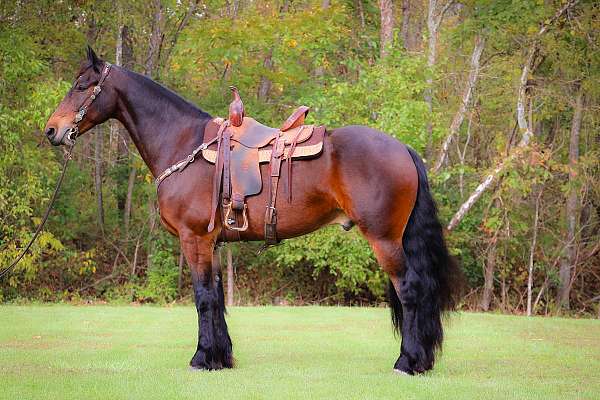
(521, 118)
(180, 27)
(466, 99)
(443, 12)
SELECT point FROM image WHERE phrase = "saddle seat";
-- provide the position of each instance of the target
(253, 134)
(238, 151)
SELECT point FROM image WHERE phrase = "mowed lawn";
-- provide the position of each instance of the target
(123, 352)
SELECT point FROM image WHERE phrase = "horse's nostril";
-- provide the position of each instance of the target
(49, 132)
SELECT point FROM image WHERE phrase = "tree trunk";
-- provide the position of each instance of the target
(113, 139)
(98, 178)
(432, 28)
(524, 143)
(465, 101)
(405, 29)
(434, 20)
(532, 253)
(229, 277)
(490, 268)
(410, 32)
(156, 39)
(152, 208)
(119, 47)
(235, 9)
(503, 294)
(128, 201)
(361, 13)
(387, 27)
(569, 259)
(488, 276)
(127, 61)
(180, 276)
(284, 6)
(91, 35)
(135, 256)
(265, 82)
(92, 30)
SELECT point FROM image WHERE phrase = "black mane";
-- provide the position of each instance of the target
(164, 92)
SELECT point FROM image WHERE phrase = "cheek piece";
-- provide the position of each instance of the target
(72, 134)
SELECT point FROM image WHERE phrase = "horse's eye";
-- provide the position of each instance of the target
(80, 87)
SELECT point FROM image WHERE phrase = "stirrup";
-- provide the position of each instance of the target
(232, 226)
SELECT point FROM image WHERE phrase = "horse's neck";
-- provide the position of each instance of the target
(164, 127)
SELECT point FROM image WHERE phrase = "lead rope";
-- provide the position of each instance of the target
(71, 136)
(6, 270)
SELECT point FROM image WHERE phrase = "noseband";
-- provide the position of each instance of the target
(74, 131)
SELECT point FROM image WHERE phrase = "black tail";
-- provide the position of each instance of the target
(432, 281)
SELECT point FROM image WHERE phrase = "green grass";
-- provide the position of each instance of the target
(102, 352)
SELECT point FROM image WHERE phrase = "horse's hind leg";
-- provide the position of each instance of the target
(425, 280)
(380, 197)
(382, 186)
(384, 228)
(415, 355)
(214, 343)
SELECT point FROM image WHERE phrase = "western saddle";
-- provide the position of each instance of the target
(237, 146)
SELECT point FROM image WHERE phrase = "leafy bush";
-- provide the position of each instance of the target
(160, 285)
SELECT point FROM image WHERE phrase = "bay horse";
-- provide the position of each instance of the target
(367, 178)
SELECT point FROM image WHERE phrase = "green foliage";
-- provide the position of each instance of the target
(387, 96)
(347, 256)
(329, 60)
(21, 185)
(161, 279)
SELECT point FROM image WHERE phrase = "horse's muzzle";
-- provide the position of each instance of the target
(65, 136)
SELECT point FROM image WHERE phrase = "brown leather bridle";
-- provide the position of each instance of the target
(71, 135)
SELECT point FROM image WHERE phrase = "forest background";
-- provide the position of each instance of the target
(500, 97)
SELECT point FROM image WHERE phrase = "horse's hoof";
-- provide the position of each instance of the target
(404, 367)
(212, 366)
(400, 372)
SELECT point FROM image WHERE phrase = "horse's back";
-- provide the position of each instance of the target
(363, 151)
(360, 173)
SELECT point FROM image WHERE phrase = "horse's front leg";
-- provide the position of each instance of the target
(214, 343)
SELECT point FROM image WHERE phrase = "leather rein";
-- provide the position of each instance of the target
(71, 136)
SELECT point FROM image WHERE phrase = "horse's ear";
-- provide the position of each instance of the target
(93, 59)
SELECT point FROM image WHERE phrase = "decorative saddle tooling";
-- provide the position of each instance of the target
(237, 146)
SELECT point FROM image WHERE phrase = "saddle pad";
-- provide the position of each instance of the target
(256, 135)
(310, 148)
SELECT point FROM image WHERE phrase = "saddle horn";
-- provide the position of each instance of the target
(236, 108)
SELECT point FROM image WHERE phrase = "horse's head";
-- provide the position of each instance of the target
(88, 103)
